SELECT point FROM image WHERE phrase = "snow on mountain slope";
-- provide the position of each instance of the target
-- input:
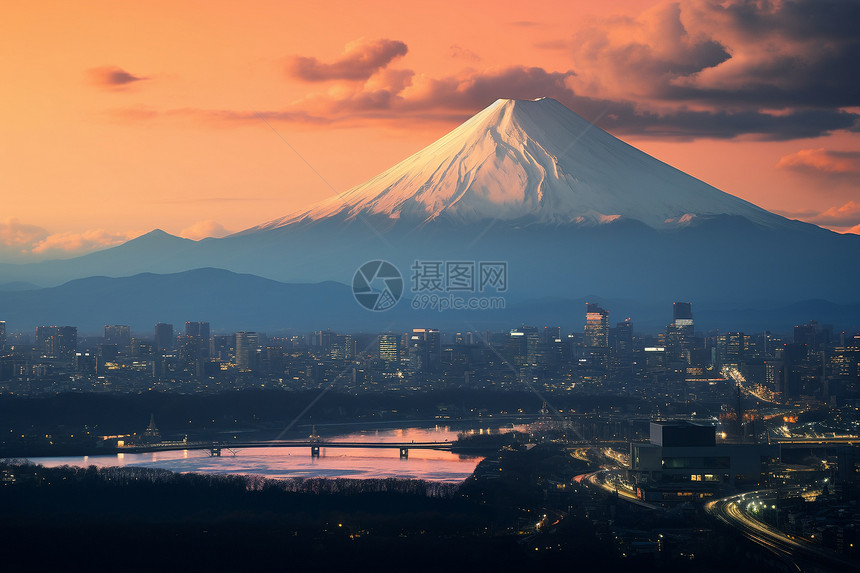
(534, 160)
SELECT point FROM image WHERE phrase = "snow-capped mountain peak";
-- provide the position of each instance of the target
(533, 160)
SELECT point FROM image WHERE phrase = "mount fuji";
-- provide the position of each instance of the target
(536, 162)
(572, 210)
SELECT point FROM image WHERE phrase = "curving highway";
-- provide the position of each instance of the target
(796, 553)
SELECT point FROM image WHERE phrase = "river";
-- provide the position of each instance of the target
(361, 463)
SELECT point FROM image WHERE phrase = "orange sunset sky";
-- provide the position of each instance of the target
(121, 117)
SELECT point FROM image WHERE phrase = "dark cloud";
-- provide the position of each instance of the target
(359, 61)
(112, 77)
(724, 124)
(743, 53)
(824, 20)
(453, 99)
(681, 70)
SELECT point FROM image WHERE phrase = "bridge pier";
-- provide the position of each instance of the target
(315, 451)
(404, 453)
(215, 452)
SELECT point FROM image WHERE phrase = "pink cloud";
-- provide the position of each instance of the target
(203, 229)
(71, 243)
(14, 233)
(823, 162)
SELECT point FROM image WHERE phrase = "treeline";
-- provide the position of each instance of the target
(22, 473)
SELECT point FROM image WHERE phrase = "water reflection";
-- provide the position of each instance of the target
(429, 465)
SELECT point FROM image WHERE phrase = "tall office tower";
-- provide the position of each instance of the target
(223, 346)
(813, 335)
(46, 340)
(343, 347)
(682, 315)
(389, 348)
(679, 334)
(596, 326)
(323, 339)
(735, 346)
(2, 335)
(550, 334)
(67, 342)
(623, 348)
(425, 345)
(791, 378)
(196, 343)
(247, 345)
(119, 335)
(596, 335)
(163, 338)
(528, 340)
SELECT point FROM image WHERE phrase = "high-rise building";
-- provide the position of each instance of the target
(163, 338)
(679, 334)
(425, 347)
(682, 315)
(596, 340)
(57, 341)
(247, 346)
(196, 343)
(323, 339)
(119, 335)
(2, 335)
(596, 326)
(735, 347)
(813, 335)
(67, 342)
(528, 341)
(46, 338)
(623, 348)
(389, 348)
(343, 347)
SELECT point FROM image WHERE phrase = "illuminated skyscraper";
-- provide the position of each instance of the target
(596, 336)
(425, 346)
(57, 341)
(679, 334)
(343, 347)
(682, 314)
(247, 344)
(529, 340)
(596, 326)
(2, 335)
(389, 348)
(46, 338)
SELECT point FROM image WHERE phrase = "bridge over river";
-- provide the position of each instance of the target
(216, 448)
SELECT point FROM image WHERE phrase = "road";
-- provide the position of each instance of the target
(797, 553)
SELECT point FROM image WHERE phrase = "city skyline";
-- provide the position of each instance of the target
(164, 110)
